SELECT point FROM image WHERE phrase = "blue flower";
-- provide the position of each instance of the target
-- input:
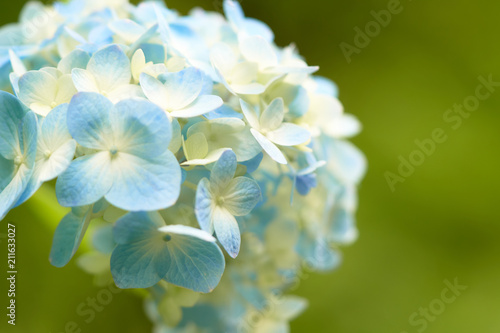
(108, 73)
(180, 94)
(148, 251)
(55, 150)
(223, 197)
(45, 89)
(269, 129)
(130, 165)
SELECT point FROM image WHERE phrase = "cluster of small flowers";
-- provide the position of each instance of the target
(177, 136)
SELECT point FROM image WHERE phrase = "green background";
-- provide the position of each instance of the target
(441, 223)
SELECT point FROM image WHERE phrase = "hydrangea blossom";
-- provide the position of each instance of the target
(176, 140)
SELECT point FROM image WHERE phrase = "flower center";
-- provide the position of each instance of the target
(47, 154)
(113, 151)
(53, 104)
(167, 238)
(19, 160)
(220, 201)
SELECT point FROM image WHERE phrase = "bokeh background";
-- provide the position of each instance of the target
(442, 223)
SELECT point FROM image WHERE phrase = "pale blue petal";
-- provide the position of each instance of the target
(11, 193)
(254, 163)
(154, 90)
(255, 27)
(68, 237)
(55, 139)
(223, 112)
(188, 43)
(88, 120)
(251, 114)
(139, 265)
(127, 29)
(29, 138)
(126, 91)
(241, 196)
(300, 104)
(17, 65)
(317, 252)
(289, 134)
(326, 86)
(84, 81)
(76, 59)
(135, 227)
(7, 172)
(234, 13)
(181, 255)
(269, 147)
(200, 106)
(145, 184)
(56, 150)
(346, 161)
(227, 231)
(141, 259)
(249, 89)
(273, 115)
(28, 147)
(204, 206)
(103, 240)
(37, 87)
(140, 128)
(305, 183)
(223, 172)
(110, 67)
(197, 263)
(87, 180)
(176, 142)
(11, 114)
(256, 49)
(182, 87)
(343, 228)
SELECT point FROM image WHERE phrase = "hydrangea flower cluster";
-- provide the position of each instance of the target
(209, 165)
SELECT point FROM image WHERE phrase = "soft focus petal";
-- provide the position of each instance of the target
(227, 231)
(154, 90)
(68, 237)
(269, 147)
(258, 50)
(140, 128)
(88, 120)
(204, 206)
(223, 172)
(241, 196)
(273, 115)
(111, 68)
(87, 180)
(182, 88)
(289, 135)
(197, 261)
(145, 185)
(200, 106)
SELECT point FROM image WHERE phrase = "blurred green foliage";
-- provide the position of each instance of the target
(441, 223)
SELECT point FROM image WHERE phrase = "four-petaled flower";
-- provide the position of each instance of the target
(108, 73)
(223, 197)
(269, 129)
(182, 94)
(131, 166)
(45, 89)
(148, 251)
